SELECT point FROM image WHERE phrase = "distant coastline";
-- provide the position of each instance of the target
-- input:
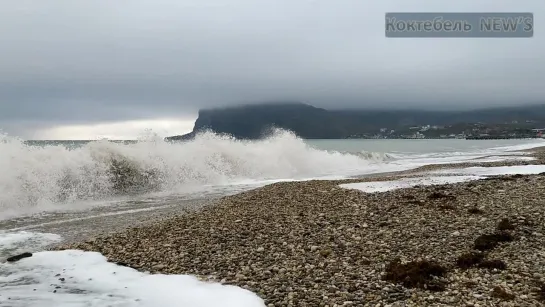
(308, 122)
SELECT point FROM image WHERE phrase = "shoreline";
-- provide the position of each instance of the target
(313, 243)
(78, 226)
(74, 226)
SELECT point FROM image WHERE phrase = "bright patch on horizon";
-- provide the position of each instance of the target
(126, 130)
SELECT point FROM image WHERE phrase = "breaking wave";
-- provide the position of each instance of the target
(39, 175)
(373, 156)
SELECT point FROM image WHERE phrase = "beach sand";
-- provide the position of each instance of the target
(314, 243)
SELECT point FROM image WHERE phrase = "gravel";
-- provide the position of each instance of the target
(315, 244)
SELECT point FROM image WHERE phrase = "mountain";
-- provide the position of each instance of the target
(309, 122)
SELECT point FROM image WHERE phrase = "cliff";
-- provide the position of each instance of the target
(309, 122)
(253, 121)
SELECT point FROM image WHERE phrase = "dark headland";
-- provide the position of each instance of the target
(253, 121)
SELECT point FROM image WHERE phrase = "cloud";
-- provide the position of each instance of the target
(67, 63)
(125, 130)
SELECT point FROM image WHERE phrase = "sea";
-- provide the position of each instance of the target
(52, 191)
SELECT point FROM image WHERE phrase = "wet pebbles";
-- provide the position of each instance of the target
(316, 244)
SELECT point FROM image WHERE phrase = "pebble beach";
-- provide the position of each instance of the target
(314, 243)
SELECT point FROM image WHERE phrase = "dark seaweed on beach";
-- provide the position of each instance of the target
(490, 241)
(510, 178)
(541, 292)
(447, 207)
(417, 274)
(18, 257)
(505, 224)
(414, 202)
(500, 293)
(440, 195)
(475, 210)
(493, 264)
(469, 260)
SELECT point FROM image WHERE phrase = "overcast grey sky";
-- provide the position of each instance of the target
(112, 64)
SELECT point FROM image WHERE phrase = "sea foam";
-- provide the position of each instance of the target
(449, 176)
(77, 278)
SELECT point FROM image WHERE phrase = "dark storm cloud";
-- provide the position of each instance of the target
(93, 61)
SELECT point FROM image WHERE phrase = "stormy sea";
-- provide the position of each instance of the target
(52, 191)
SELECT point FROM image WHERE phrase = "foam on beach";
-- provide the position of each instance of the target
(23, 241)
(495, 171)
(383, 186)
(450, 176)
(77, 278)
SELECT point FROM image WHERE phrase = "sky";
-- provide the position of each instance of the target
(92, 69)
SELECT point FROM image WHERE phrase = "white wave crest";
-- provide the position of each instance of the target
(38, 176)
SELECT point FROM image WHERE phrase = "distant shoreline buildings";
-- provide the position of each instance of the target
(469, 132)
